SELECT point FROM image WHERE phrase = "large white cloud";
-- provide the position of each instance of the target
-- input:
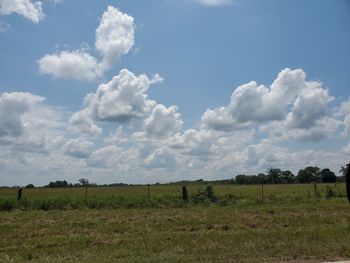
(12, 108)
(144, 140)
(114, 38)
(163, 121)
(78, 65)
(290, 103)
(26, 8)
(122, 99)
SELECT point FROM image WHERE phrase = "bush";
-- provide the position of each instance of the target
(330, 192)
(7, 204)
(204, 195)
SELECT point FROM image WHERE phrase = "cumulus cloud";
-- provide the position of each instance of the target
(310, 106)
(78, 65)
(79, 147)
(144, 140)
(290, 103)
(163, 121)
(344, 112)
(214, 2)
(122, 99)
(114, 38)
(105, 157)
(26, 8)
(12, 108)
(82, 122)
(160, 159)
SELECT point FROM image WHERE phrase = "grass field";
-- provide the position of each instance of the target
(290, 224)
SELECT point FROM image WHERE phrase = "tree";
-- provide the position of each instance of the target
(58, 184)
(328, 176)
(344, 169)
(287, 177)
(273, 176)
(84, 182)
(309, 174)
(241, 179)
(29, 186)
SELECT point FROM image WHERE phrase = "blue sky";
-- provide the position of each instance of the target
(179, 104)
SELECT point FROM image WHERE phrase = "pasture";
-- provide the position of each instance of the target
(123, 224)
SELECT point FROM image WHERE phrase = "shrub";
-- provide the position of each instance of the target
(7, 204)
(330, 192)
(204, 195)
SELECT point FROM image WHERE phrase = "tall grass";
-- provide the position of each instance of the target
(164, 196)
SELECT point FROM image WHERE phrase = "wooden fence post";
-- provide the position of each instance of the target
(184, 194)
(315, 189)
(348, 182)
(19, 194)
(262, 191)
(148, 191)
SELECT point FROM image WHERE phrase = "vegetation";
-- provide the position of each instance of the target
(164, 196)
(221, 223)
(278, 217)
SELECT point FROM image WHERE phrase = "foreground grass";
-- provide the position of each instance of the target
(311, 231)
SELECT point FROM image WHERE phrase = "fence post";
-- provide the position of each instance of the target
(184, 194)
(86, 187)
(315, 189)
(348, 181)
(148, 191)
(19, 194)
(262, 192)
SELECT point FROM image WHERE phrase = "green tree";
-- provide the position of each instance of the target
(309, 174)
(273, 176)
(328, 176)
(84, 182)
(287, 177)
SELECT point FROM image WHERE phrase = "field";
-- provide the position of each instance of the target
(123, 224)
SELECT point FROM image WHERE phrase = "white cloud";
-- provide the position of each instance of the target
(346, 149)
(79, 147)
(291, 105)
(82, 122)
(12, 108)
(163, 121)
(344, 112)
(347, 124)
(214, 2)
(105, 157)
(160, 159)
(122, 99)
(26, 8)
(144, 141)
(77, 65)
(310, 106)
(114, 38)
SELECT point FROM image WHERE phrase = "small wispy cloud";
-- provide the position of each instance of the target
(214, 2)
(4, 26)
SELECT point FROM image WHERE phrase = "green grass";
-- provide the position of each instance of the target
(291, 224)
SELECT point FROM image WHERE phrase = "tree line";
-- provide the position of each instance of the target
(310, 174)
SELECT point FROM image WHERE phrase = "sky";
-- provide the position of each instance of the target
(166, 90)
